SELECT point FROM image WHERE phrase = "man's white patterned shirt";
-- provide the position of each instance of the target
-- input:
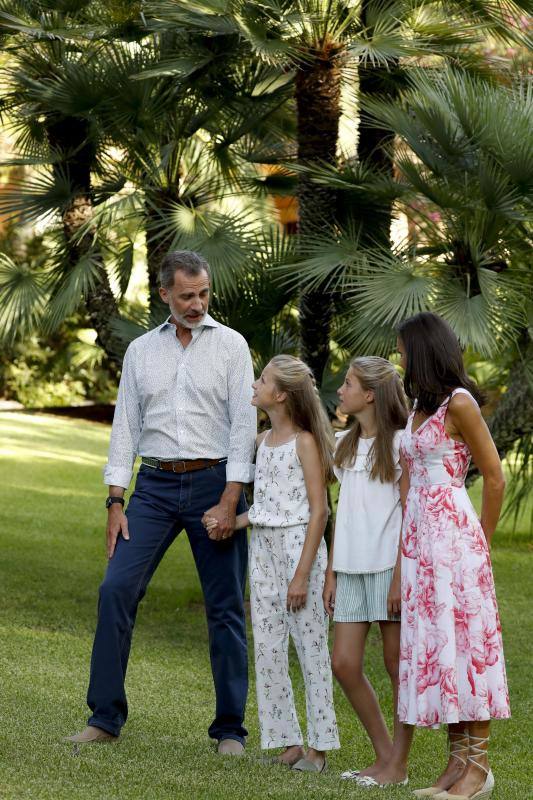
(184, 403)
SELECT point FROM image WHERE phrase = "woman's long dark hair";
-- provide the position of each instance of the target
(434, 362)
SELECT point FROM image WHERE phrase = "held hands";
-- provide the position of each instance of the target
(117, 523)
(394, 598)
(219, 522)
(211, 526)
(329, 592)
(297, 592)
(209, 523)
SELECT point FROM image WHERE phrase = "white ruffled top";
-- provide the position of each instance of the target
(369, 515)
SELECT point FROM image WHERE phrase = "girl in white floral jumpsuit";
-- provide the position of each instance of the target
(287, 563)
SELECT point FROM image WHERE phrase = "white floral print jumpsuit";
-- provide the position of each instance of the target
(279, 516)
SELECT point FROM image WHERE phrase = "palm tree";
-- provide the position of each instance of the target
(139, 135)
(465, 180)
(53, 84)
(326, 42)
(202, 148)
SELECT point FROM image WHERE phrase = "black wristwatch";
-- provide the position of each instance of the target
(110, 500)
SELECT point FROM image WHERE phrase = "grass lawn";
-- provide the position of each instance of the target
(52, 560)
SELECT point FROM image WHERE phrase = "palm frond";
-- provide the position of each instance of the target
(360, 335)
(278, 335)
(487, 321)
(184, 67)
(123, 264)
(392, 285)
(127, 329)
(71, 285)
(194, 15)
(23, 297)
(509, 20)
(222, 239)
(47, 28)
(36, 197)
(332, 377)
(259, 299)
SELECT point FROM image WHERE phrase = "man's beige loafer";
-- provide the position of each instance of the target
(230, 747)
(90, 735)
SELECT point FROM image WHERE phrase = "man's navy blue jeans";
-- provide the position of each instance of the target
(162, 504)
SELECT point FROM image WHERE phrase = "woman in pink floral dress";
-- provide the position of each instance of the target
(452, 668)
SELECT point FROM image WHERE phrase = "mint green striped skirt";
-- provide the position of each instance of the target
(363, 597)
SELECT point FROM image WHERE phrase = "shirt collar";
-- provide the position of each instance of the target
(208, 322)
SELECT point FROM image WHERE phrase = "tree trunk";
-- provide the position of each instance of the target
(318, 109)
(157, 247)
(100, 301)
(374, 143)
(70, 138)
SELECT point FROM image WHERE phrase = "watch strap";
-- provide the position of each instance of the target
(110, 500)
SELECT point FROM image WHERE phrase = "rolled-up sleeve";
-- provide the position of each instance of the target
(126, 428)
(242, 415)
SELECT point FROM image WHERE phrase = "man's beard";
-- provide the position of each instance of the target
(186, 323)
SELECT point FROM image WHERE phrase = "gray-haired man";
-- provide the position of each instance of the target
(184, 406)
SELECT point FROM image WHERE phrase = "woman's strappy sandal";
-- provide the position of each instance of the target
(457, 747)
(476, 750)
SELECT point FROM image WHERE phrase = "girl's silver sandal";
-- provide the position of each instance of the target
(304, 765)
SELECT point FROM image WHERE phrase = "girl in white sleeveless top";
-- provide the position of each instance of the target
(288, 561)
(363, 554)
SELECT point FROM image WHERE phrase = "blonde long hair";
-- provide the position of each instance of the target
(379, 376)
(305, 409)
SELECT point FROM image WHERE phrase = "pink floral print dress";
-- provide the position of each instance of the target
(451, 655)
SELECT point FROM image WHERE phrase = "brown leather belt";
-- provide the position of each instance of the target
(187, 465)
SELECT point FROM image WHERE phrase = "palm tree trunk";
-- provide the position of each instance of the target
(318, 109)
(375, 143)
(158, 244)
(159, 238)
(71, 136)
(100, 301)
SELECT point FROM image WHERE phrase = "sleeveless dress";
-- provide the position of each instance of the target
(451, 654)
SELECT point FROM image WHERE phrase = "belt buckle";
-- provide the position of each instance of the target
(179, 472)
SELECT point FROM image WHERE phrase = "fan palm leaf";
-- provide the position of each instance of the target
(23, 297)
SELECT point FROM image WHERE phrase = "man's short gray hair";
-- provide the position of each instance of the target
(189, 262)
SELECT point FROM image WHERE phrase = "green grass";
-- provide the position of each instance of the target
(52, 560)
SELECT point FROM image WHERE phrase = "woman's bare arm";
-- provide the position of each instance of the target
(464, 421)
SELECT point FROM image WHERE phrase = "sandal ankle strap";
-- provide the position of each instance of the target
(458, 745)
(476, 751)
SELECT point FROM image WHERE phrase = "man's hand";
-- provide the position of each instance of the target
(329, 592)
(224, 514)
(117, 523)
(394, 598)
